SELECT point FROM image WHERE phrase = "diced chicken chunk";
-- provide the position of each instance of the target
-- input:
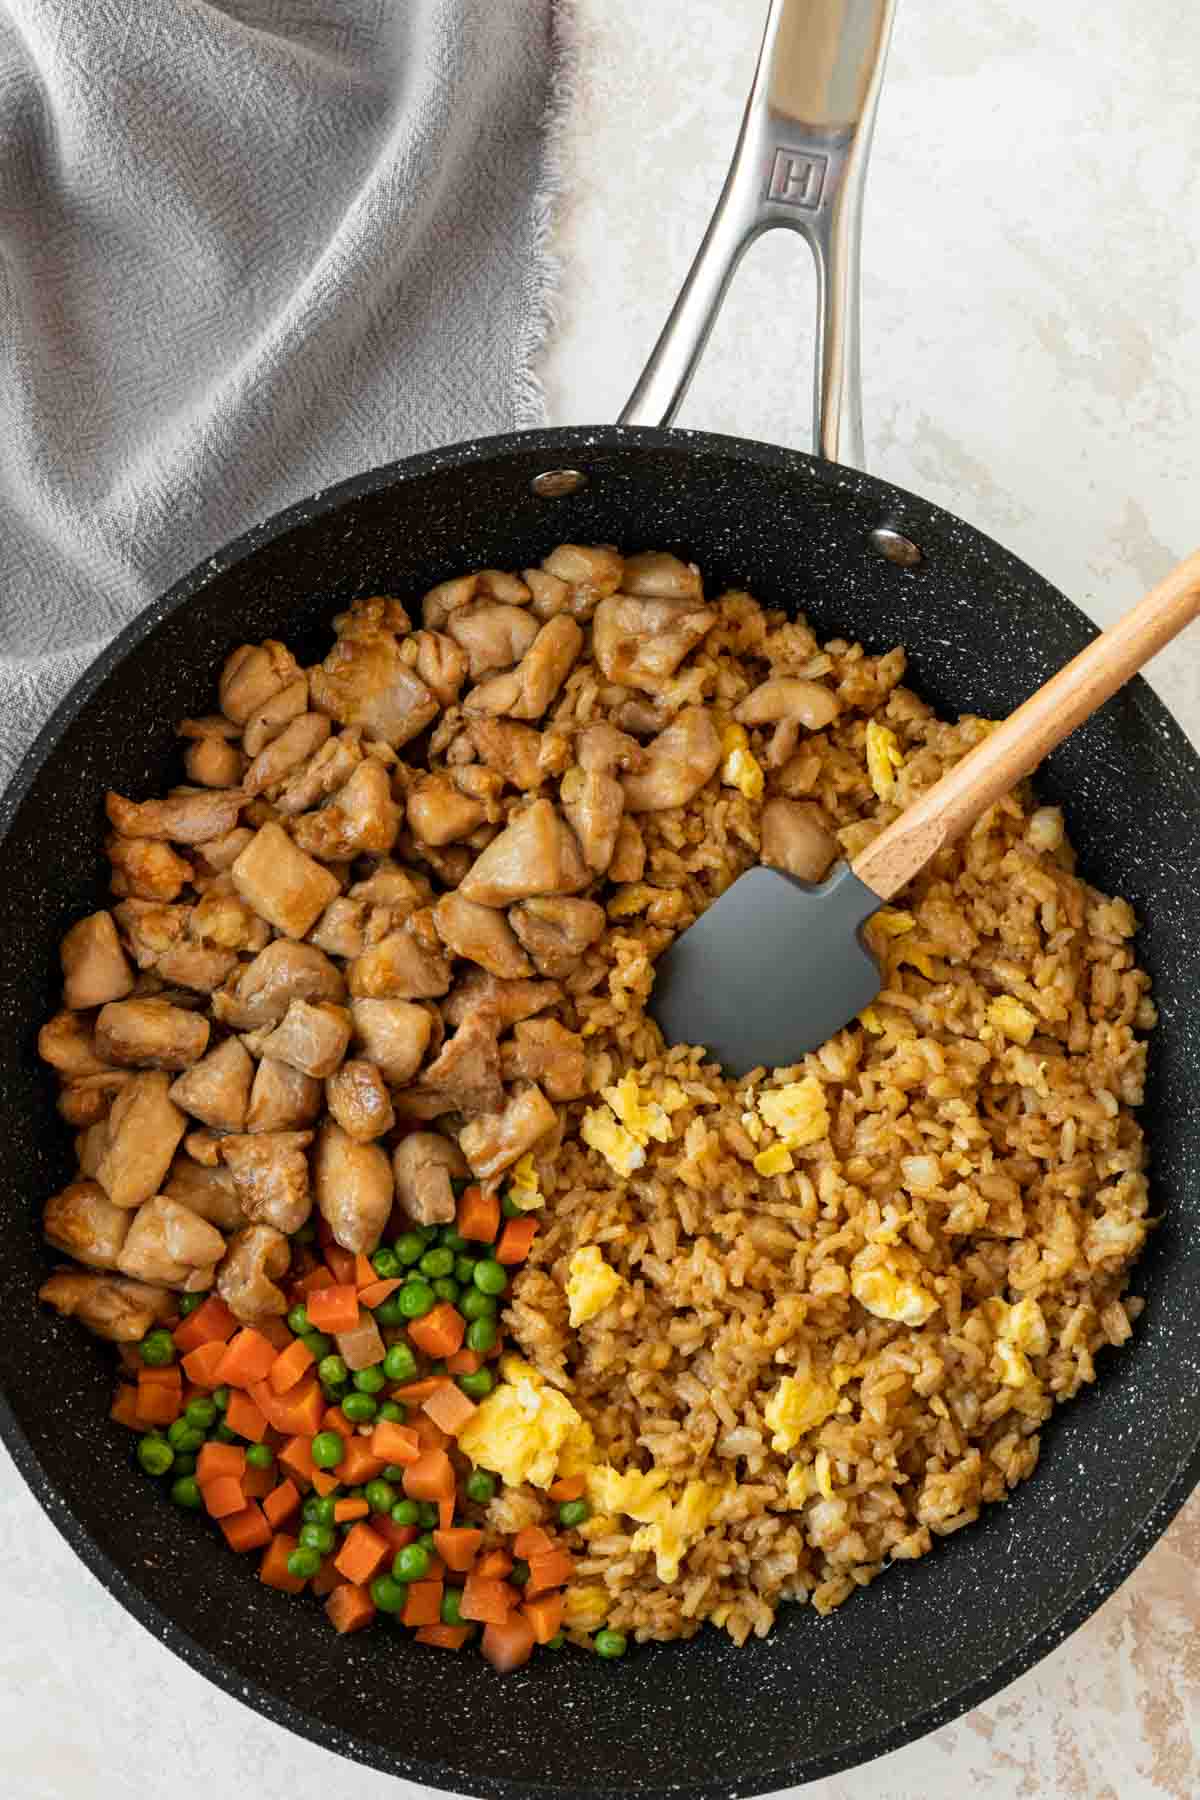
(144, 1129)
(641, 642)
(274, 716)
(222, 918)
(88, 1098)
(440, 813)
(363, 1347)
(508, 1001)
(526, 691)
(169, 1243)
(441, 665)
(406, 965)
(83, 1222)
(794, 839)
(121, 1311)
(361, 819)
(353, 1183)
(210, 1192)
(364, 680)
(282, 1098)
(181, 818)
(68, 1043)
(517, 752)
(266, 987)
(556, 931)
(146, 868)
(463, 1078)
(493, 635)
(424, 1165)
(678, 763)
(340, 930)
(270, 1173)
(544, 1051)
(536, 853)
(216, 1090)
(256, 1260)
(481, 934)
(311, 1037)
(393, 1034)
(150, 1034)
(495, 1141)
(657, 575)
(590, 571)
(93, 963)
(283, 755)
(358, 1099)
(212, 763)
(283, 884)
(252, 676)
(629, 852)
(323, 774)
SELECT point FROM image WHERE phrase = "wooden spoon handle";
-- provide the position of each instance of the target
(1016, 747)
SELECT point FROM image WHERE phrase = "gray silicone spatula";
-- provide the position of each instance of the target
(777, 965)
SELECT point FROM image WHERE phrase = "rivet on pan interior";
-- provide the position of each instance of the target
(894, 547)
(552, 484)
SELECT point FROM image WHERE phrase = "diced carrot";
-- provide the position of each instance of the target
(248, 1357)
(422, 1603)
(450, 1409)
(360, 1463)
(478, 1215)
(533, 1541)
(211, 1323)
(314, 1280)
(333, 1309)
(485, 1600)
(223, 1497)
(444, 1637)
(431, 1477)
(298, 1412)
(124, 1408)
(548, 1571)
(440, 1332)
(341, 1265)
(334, 1419)
(246, 1530)
(157, 1403)
(216, 1460)
(281, 1503)
(446, 1513)
(346, 1511)
(396, 1536)
(289, 1366)
(274, 1570)
(395, 1443)
(413, 1392)
(201, 1365)
(545, 1615)
(325, 1481)
(244, 1417)
(349, 1608)
(458, 1547)
(429, 1435)
(326, 1579)
(495, 1565)
(464, 1362)
(296, 1458)
(507, 1646)
(362, 1554)
(377, 1292)
(364, 1274)
(169, 1376)
(257, 1483)
(516, 1240)
(568, 1487)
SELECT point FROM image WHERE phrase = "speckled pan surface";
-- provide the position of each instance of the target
(927, 1640)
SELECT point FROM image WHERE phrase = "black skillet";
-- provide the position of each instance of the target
(929, 1639)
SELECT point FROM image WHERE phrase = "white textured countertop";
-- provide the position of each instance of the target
(1032, 361)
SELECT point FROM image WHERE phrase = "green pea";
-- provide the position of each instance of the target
(490, 1277)
(155, 1454)
(427, 1233)
(306, 1233)
(260, 1456)
(304, 1562)
(185, 1437)
(408, 1248)
(388, 1311)
(416, 1299)
(332, 1372)
(411, 1563)
(480, 1486)
(427, 1515)
(556, 1642)
(388, 1595)
(317, 1537)
(324, 1510)
(359, 1408)
(157, 1349)
(188, 1304)
(451, 1238)
(392, 1472)
(200, 1413)
(610, 1643)
(185, 1492)
(223, 1434)
(308, 1511)
(446, 1289)
(509, 1208)
(220, 1398)
(479, 1385)
(394, 1411)
(520, 1573)
(436, 1263)
(380, 1495)
(184, 1464)
(297, 1321)
(474, 1305)
(370, 1381)
(464, 1268)
(427, 1544)
(481, 1335)
(327, 1450)
(452, 1606)
(405, 1512)
(386, 1263)
(574, 1512)
(318, 1343)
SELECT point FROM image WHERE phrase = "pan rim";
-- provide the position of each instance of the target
(120, 1583)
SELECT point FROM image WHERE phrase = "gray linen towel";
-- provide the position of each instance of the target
(246, 249)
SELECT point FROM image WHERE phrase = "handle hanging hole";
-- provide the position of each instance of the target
(895, 548)
(554, 484)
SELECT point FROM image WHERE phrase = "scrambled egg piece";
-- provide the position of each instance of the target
(523, 1189)
(591, 1284)
(601, 1131)
(1014, 1364)
(643, 1119)
(636, 1495)
(681, 1525)
(1025, 1326)
(870, 1021)
(797, 1113)
(621, 1129)
(892, 922)
(1010, 1017)
(884, 757)
(887, 1291)
(823, 1474)
(520, 1430)
(796, 1406)
(918, 955)
(585, 1608)
(739, 767)
(799, 1485)
(775, 1161)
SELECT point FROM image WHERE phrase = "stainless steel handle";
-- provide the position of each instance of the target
(800, 163)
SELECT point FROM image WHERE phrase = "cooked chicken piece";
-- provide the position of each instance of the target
(144, 1129)
(482, 784)
(121, 1311)
(281, 883)
(353, 1184)
(363, 681)
(145, 868)
(439, 812)
(464, 1077)
(556, 931)
(83, 1222)
(150, 928)
(219, 853)
(394, 1034)
(203, 1145)
(311, 1036)
(449, 864)
(481, 934)
(93, 963)
(526, 691)
(424, 1165)
(544, 1051)
(493, 635)
(189, 818)
(216, 1090)
(439, 662)
(592, 797)
(150, 1034)
(641, 642)
(550, 595)
(281, 756)
(324, 773)
(629, 852)
(221, 918)
(508, 1000)
(340, 930)
(266, 987)
(275, 716)
(209, 726)
(90, 1146)
(361, 819)
(87, 1099)
(678, 763)
(656, 575)
(536, 853)
(645, 716)
(169, 1243)
(794, 839)
(591, 572)
(257, 1258)
(210, 1192)
(390, 885)
(282, 1098)
(197, 966)
(67, 1042)
(788, 702)
(495, 1141)
(513, 751)
(270, 1173)
(252, 676)
(445, 598)
(358, 1099)
(405, 965)
(212, 763)
(363, 1347)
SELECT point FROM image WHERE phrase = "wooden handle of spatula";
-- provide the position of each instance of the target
(1016, 747)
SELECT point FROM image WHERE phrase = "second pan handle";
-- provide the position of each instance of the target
(800, 163)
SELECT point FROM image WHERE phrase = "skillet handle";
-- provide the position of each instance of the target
(800, 163)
